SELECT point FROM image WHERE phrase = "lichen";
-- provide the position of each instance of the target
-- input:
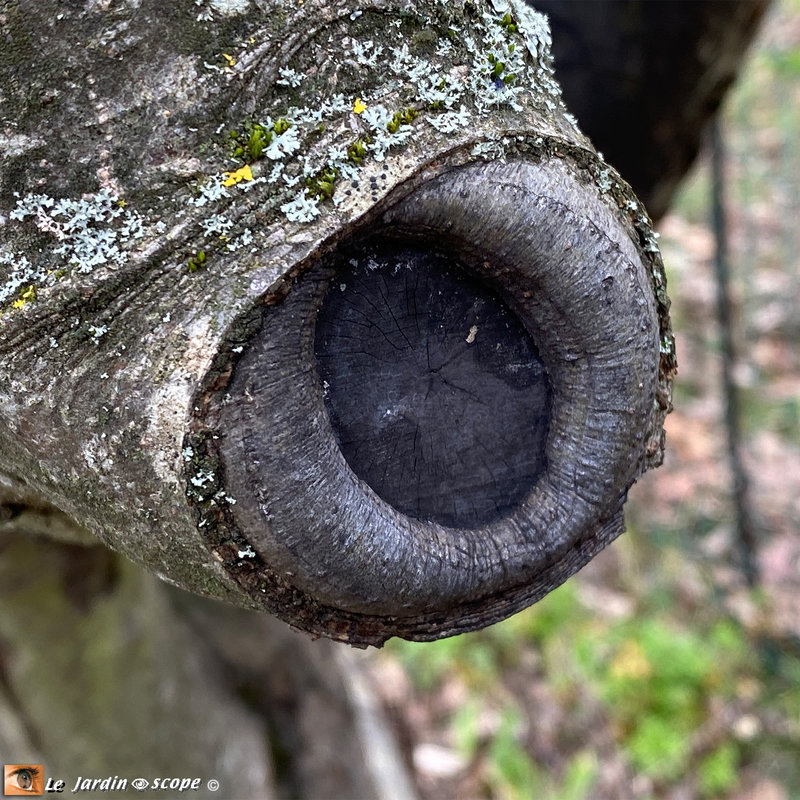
(304, 149)
(442, 71)
(303, 208)
(26, 296)
(233, 177)
(93, 231)
(97, 332)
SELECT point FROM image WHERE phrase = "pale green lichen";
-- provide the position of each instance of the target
(440, 72)
(603, 180)
(210, 190)
(492, 149)
(449, 69)
(93, 231)
(97, 332)
(444, 71)
(303, 208)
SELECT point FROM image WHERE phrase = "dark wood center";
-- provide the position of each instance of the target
(436, 393)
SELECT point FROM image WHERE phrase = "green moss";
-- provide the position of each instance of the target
(249, 143)
(197, 261)
(498, 68)
(323, 184)
(404, 117)
(357, 151)
(281, 126)
(508, 23)
(259, 138)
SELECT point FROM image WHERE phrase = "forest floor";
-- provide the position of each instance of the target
(657, 672)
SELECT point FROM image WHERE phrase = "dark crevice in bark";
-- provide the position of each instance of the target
(297, 689)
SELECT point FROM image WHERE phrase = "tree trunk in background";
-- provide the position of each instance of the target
(645, 78)
(103, 679)
(106, 671)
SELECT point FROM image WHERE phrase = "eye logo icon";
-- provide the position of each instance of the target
(26, 780)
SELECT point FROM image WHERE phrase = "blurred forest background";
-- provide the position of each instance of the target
(658, 672)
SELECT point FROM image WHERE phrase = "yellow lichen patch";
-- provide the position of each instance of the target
(230, 59)
(27, 296)
(359, 107)
(242, 174)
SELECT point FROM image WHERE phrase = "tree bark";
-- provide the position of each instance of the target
(182, 187)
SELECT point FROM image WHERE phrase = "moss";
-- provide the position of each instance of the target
(425, 68)
(508, 23)
(281, 126)
(198, 261)
(250, 143)
(357, 151)
(382, 84)
(323, 184)
(499, 67)
(250, 147)
(404, 117)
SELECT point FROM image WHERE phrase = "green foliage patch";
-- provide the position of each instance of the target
(656, 677)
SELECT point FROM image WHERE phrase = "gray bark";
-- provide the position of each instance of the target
(142, 301)
(140, 294)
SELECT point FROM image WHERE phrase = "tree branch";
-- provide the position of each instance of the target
(179, 188)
